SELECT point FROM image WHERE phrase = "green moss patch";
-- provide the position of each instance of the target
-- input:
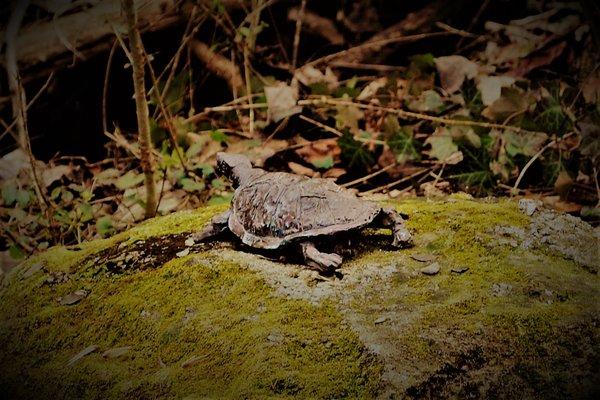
(195, 327)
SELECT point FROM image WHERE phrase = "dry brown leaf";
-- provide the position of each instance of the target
(539, 60)
(281, 101)
(316, 151)
(491, 87)
(334, 173)
(371, 89)
(309, 75)
(52, 174)
(590, 88)
(13, 163)
(454, 70)
(301, 169)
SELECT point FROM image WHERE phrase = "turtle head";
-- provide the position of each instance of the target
(236, 167)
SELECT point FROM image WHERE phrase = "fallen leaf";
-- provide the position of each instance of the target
(116, 352)
(348, 116)
(73, 298)
(192, 361)
(423, 257)
(453, 71)
(13, 163)
(51, 175)
(301, 169)
(82, 353)
(540, 59)
(428, 101)
(459, 270)
(443, 148)
(431, 269)
(491, 87)
(317, 151)
(372, 88)
(563, 183)
(309, 75)
(523, 143)
(512, 101)
(590, 88)
(281, 101)
(334, 173)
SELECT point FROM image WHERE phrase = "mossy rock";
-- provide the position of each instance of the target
(511, 314)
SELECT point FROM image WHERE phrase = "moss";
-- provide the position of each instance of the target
(246, 342)
(551, 303)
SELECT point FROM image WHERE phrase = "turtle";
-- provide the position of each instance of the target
(275, 210)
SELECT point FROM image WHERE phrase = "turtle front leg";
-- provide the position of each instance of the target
(217, 225)
(392, 219)
(322, 262)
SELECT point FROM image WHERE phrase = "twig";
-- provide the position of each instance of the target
(225, 108)
(367, 177)
(17, 92)
(138, 62)
(414, 115)
(376, 43)
(322, 126)
(8, 128)
(397, 182)
(299, 20)
(595, 171)
(451, 29)
(248, 88)
(535, 157)
(367, 67)
(111, 54)
(168, 118)
(474, 21)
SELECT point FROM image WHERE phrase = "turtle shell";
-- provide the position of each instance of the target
(276, 208)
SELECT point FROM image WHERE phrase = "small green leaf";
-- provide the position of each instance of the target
(55, 193)
(85, 212)
(104, 226)
(9, 193)
(403, 146)
(130, 179)
(16, 253)
(66, 196)
(191, 185)
(217, 183)
(323, 163)
(219, 136)
(23, 198)
(442, 147)
(220, 199)
(353, 152)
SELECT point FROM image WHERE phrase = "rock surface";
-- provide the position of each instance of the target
(512, 313)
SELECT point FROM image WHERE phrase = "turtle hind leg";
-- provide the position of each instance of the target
(322, 262)
(217, 225)
(392, 219)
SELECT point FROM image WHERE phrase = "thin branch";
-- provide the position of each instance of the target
(367, 177)
(105, 86)
(297, 34)
(382, 42)
(138, 62)
(397, 182)
(535, 157)
(322, 126)
(8, 128)
(413, 115)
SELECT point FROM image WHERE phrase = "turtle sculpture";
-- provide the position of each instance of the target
(272, 210)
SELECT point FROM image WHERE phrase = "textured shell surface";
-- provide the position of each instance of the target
(277, 207)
